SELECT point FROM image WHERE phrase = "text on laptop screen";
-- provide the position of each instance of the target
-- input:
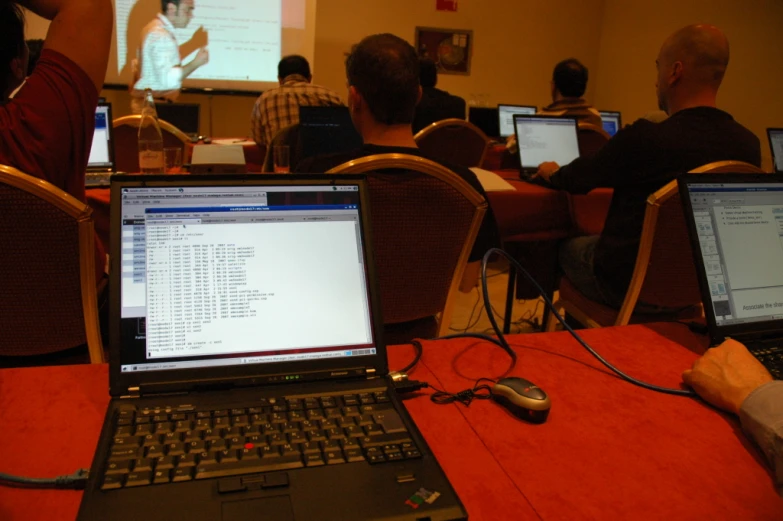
(610, 122)
(740, 230)
(101, 140)
(506, 117)
(776, 144)
(229, 275)
(546, 139)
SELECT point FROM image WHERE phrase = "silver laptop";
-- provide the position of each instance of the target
(506, 117)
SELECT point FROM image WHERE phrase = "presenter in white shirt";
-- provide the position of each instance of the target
(159, 66)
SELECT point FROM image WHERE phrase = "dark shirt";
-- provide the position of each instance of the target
(488, 236)
(436, 105)
(639, 160)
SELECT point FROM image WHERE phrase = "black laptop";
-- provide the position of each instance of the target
(487, 119)
(775, 136)
(247, 371)
(545, 138)
(735, 223)
(327, 130)
(184, 116)
(100, 164)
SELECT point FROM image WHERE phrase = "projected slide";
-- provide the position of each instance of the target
(229, 44)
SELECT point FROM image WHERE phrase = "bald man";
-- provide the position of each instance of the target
(645, 156)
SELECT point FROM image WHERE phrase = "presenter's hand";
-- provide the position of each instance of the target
(726, 375)
(202, 58)
(547, 169)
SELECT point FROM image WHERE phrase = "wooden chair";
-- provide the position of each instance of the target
(425, 219)
(47, 270)
(454, 141)
(591, 139)
(664, 274)
(126, 141)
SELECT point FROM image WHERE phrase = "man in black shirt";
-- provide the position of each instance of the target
(383, 80)
(435, 104)
(645, 156)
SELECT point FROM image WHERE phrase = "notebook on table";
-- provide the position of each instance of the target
(247, 370)
(775, 136)
(611, 120)
(735, 222)
(100, 164)
(506, 117)
(545, 138)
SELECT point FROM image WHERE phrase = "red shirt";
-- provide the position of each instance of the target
(46, 129)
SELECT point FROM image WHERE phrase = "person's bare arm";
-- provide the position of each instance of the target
(201, 59)
(81, 30)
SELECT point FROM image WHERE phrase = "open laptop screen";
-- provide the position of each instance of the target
(184, 116)
(543, 138)
(241, 274)
(776, 146)
(327, 130)
(506, 117)
(740, 235)
(101, 153)
(611, 121)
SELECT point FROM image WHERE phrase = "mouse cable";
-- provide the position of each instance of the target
(515, 263)
(75, 481)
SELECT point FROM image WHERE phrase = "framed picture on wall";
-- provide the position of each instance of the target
(450, 49)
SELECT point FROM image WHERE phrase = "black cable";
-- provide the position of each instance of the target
(76, 481)
(548, 301)
(419, 351)
(478, 392)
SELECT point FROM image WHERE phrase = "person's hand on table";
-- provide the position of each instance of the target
(547, 169)
(726, 375)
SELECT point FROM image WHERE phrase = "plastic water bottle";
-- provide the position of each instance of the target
(150, 138)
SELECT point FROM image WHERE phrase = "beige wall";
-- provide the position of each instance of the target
(633, 31)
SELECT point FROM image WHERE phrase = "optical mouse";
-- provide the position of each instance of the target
(522, 398)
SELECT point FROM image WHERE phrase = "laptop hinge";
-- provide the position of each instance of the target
(370, 373)
(133, 392)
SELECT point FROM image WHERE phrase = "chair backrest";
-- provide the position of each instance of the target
(126, 141)
(47, 269)
(591, 139)
(425, 219)
(455, 141)
(288, 136)
(664, 274)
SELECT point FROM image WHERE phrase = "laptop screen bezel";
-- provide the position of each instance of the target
(535, 109)
(181, 380)
(110, 129)
(178, 105)
(542, 116)
(718, 333)
(772, 149)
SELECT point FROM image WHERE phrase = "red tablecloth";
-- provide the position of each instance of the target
(608, 451)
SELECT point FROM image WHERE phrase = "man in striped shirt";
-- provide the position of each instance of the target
(278, 108)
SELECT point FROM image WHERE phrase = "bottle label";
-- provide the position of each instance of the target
(151, 160)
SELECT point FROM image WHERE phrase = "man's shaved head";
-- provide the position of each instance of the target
(692, 60)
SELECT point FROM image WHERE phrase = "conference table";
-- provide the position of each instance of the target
(609, 450)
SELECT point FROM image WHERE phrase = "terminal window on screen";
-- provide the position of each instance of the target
(549, 140)
(744, 286)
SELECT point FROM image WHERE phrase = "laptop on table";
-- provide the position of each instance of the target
(485, 118)
(100, 164)
(612, 121)
(247, 371)
(327, 130)
(506, 117)
(775, 136)
(184, 116)
(735, 222)
(545, 138)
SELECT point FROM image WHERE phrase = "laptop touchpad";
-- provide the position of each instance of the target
(276, 508)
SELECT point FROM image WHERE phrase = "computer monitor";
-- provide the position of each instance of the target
(611, 121)
(327, 130)
(102, 150)
(506, 117)
(184, 116)
(545, 138)
(776, 146)
(486, 119)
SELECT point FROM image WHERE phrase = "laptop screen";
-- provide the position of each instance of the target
(327, 130)
(101, 155)
(776, 146)
(241, 274)
(740, 235)
(184, 116)
(485, 118)
(542, 138)
(506, 117)
(611, 121)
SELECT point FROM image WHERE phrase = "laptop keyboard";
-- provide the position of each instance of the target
(93, 179)
(772, 358)
(160, 445)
